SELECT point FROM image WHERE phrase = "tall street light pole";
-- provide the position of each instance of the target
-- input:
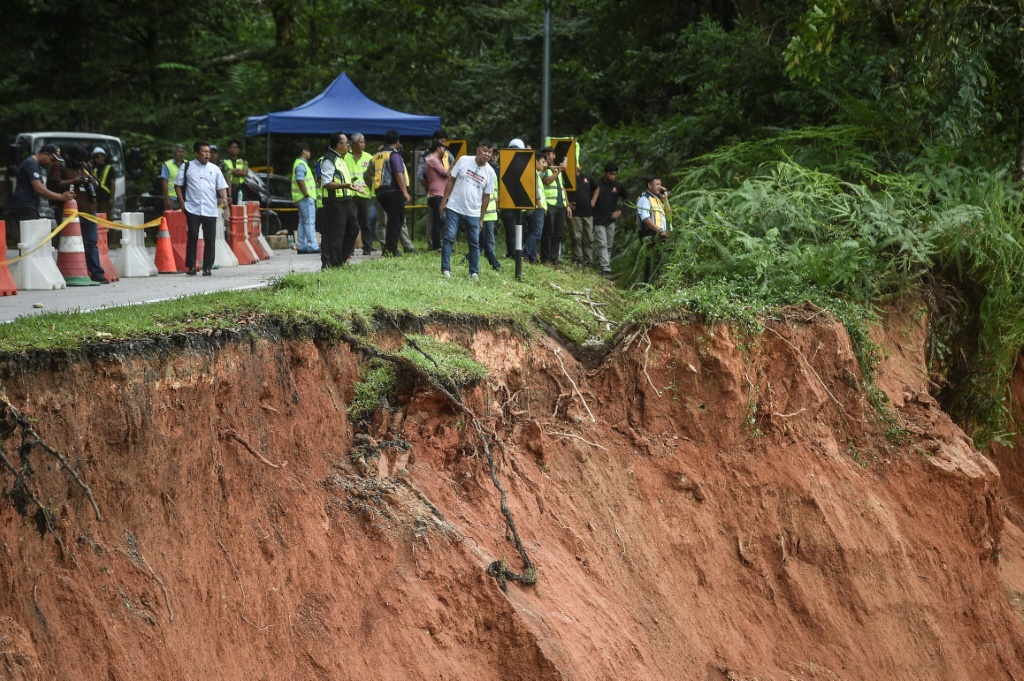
(545, 107)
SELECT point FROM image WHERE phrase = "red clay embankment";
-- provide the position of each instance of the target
(700, 506)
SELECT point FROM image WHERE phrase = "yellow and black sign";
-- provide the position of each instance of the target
(517, 174)
(457, 148)
(565, 147)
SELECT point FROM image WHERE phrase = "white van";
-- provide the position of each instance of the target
(28, 143)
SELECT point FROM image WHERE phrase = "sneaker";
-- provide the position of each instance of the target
(207, 273)
(99, 279)
(446, 274)
(474, 277)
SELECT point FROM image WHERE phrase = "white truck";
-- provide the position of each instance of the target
(28, 143)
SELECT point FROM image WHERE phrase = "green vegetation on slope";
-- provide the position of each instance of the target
(347, 298)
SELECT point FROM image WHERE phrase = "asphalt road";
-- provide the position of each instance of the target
(161, 287)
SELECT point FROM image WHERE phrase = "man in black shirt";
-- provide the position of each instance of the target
(30, 186)
(581, 201)
(607, 195)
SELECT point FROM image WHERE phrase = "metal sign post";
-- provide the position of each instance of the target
(517, 190)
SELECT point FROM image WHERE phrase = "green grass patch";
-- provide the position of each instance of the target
(410, 285)
(449, 363)
(378, 382)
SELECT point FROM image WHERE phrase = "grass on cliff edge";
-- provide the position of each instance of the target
(411, 285)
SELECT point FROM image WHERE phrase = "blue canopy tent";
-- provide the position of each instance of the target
(341, 107)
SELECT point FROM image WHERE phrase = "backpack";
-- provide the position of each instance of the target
(382, 175)
(317, 173)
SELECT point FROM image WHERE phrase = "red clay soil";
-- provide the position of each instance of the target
(701, 506)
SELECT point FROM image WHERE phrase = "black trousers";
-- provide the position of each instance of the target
(393, 204)
(508, 221)
(551, 239)
(363, 217)
(341, 227)
(209, 225)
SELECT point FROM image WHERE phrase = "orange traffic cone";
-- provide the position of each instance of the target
(71, 251)
(7, 285)
(164, 252)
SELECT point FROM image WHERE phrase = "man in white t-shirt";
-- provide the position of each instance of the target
(466, 196)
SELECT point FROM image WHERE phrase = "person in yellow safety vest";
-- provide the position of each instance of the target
(341, 226)
(304, 197)
(557, 208)
(534, 226)
(359, 161)
(235, 171)
(169, 171)
(104, 180)
(491, 218)
(652, 213)
(390, 181)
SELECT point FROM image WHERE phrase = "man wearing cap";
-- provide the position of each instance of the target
(198, 185)
(105, 177)
(31, 186)
(168, 173)
(215, 155)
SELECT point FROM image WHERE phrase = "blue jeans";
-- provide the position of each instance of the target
(452, 220)
(535, 227)
(307, 224)
(487, 243)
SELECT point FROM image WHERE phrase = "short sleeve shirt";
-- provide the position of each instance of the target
(471, 183)
(608, 200)
(28, 172)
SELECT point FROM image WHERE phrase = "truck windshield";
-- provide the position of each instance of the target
(112, 147)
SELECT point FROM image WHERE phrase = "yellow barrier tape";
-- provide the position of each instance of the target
(67, 221)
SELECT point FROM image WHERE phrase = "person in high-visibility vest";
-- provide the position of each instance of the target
(534, 227)
(557, 208)
(304, 197)
(341, 226)
(491, 218)
(652, 213)
(168, 173)
(359, 161)
(390, 181)
(105, 177)
(235, 171)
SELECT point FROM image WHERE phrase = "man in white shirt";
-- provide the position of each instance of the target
(466, 196)
(197, 185)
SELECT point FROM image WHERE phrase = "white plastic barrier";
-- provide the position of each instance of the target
(37, 272)
(266, 245)
(225, 257)
(134, 259)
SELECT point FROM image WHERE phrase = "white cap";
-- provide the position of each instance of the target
(516, 144)
(99, 150)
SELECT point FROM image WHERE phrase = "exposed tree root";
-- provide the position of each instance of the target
(233, 434)
(499, 569)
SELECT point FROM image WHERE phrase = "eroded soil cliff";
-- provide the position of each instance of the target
(699, 506)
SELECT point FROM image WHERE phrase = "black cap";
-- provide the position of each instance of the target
(54, 151)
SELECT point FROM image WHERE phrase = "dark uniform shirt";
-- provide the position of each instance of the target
(582, 196)
(608, 200)
(25, 196)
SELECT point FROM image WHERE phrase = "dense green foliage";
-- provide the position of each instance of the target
(838, 230)
(842, 151)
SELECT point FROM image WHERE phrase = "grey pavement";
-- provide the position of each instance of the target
(161, 287)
